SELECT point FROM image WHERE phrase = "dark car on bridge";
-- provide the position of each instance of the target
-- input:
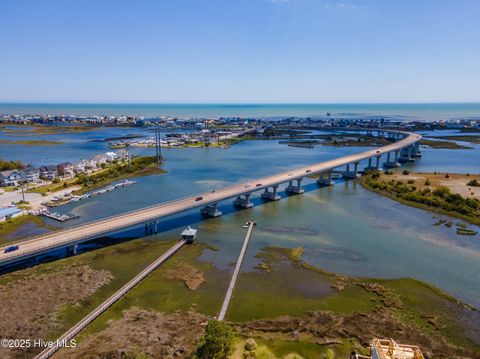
(10, 249)
(258, 185)
(198, 199)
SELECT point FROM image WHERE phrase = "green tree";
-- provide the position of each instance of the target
(217, 343)
(10, 165)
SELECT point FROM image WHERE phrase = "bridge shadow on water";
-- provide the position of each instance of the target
(179, 221)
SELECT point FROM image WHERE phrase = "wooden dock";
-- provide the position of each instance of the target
(228, 296)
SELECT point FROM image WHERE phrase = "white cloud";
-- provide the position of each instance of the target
(344, 6)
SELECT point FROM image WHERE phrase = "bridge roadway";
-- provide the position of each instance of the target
(74, 235)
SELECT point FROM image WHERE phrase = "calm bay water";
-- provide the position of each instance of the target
(418, 111)
(344, 229)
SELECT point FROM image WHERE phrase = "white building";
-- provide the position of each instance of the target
(10, 178)
(10, 212)
(111, 156)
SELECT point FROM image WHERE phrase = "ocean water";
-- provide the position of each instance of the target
(403, 112)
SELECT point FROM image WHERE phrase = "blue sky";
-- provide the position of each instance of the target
(240, 51)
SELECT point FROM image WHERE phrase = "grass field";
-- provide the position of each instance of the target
(286, 288)
(11, 225)
(444, 145)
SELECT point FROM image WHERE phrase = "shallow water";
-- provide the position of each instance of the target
(344, 229)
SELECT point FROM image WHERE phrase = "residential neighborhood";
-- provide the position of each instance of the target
(14, 201)
(64, 170)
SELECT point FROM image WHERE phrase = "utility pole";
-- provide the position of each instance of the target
(128, 155)
(23, 193)
(205, 133)
(158, 144)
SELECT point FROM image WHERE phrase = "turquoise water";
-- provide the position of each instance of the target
(424, 111)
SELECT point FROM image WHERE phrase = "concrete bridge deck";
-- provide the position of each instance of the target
(71, 236)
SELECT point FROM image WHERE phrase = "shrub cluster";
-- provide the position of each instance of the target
(473, 183)
(217, 343)
(10, 165)
(440, 197)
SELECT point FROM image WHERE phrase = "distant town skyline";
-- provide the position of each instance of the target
(249, 51)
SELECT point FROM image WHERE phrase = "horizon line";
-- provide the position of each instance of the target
(234, 103)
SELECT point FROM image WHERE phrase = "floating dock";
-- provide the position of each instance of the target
(56, 216)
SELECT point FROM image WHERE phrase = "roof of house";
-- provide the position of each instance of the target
(9, 211)
(29, 170)
(8, 173)
(189, 231)
(48, 168)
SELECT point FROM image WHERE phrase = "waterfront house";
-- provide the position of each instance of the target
(79, 167)
(111, 156)
(85, 165)
(66, 169)
(48, 172)
(9, 212)
(91, 164)
(30, 175)
(10, 178)
(100, 159)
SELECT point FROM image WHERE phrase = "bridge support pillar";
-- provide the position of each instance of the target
(406, 154)
(370, 166)
(211, 210)
(244, 201)
(390, 163)
(72, 250)
(351, 174)
(416, 150)
(291, 188)
(273, 195)
(152, 227)
(325, 179)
